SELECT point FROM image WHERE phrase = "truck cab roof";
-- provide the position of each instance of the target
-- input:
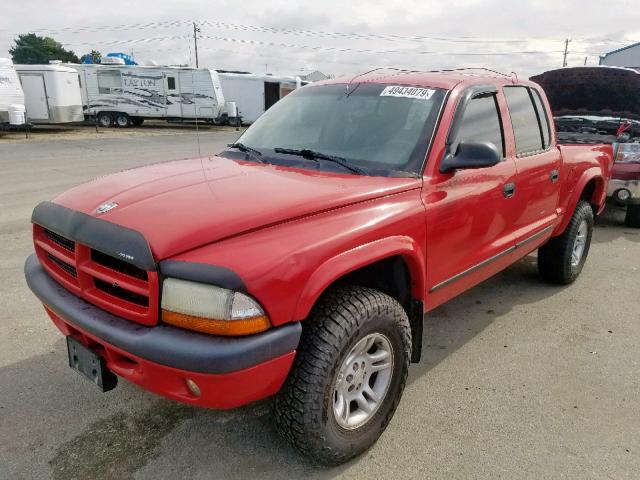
(445, 79)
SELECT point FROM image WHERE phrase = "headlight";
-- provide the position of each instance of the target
(210, 309)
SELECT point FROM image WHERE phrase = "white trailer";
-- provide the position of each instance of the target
(51, 93)
(122, 95)
(11, 95)
(254, 94)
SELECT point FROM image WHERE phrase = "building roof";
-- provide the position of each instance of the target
(620, 50)
(53, 67)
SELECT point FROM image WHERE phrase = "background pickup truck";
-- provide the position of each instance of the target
(301, 261)
(602, 105)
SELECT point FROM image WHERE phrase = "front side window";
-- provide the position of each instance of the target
(481, 122)
(524, 120)
(109, 81)
(171, 83)
(375, 127)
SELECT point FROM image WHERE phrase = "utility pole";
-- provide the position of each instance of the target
(566, 51)
(196, 30)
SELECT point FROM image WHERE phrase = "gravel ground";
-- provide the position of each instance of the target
(519, 379)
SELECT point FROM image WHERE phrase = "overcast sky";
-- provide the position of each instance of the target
(334, 36)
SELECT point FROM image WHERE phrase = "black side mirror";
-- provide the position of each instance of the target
(471, 154)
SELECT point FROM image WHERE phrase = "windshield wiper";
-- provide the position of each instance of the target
(256, 154)
(312, 155)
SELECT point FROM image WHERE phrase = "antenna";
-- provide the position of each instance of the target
(195, 108)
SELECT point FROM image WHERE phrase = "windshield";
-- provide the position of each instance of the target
(380, 129)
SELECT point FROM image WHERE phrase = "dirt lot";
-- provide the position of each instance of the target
(519, 380)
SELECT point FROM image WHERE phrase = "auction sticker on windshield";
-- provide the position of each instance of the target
(407, 92)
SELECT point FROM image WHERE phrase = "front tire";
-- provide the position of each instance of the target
(348, 376)
(632, 218)
(561, 259)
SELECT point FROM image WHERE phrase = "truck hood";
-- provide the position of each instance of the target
(595, 91)
(182, 205)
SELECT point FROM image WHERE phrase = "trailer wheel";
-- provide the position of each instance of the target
(632, 219)
(123, 120)
(105, 119)
(348, 375)
(137, 121)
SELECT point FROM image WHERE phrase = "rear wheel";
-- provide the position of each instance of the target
(105, 119)
(348, 376)
(122, 120)
(632, 219)
(137, 121)
(561, 259)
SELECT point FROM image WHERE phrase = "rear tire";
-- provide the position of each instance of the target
(561, 259)
(105, 119)
(354, 338)
(122, 120)
(632, 219)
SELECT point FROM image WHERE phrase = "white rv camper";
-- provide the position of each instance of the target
(254, 94)
(51, 93)
(122, 95)
(11, 96)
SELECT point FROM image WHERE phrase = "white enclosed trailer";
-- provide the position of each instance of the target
(11, 95)
(254, 94)
(51, 93)
(122, 95)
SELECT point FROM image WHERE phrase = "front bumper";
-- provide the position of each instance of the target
(632, 186)
(228, 371)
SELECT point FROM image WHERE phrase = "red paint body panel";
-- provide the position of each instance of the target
(289, 233)
(182, 205)
(220, 391)
(626, 171)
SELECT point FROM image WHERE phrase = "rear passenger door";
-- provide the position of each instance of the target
(538, 164)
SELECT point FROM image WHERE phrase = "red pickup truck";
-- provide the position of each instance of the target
(300, 262)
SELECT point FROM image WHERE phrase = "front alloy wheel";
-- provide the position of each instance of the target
(348, 375)
(362, 381)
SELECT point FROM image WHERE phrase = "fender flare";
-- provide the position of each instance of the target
(598, 198)
(358, 257)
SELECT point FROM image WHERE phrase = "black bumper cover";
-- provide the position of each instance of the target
(163, 344)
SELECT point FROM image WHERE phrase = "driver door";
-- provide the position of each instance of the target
(470, 212)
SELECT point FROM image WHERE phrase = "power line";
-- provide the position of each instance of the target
(314, 47)
(309, 33)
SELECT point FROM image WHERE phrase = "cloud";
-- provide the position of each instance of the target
(542, 26)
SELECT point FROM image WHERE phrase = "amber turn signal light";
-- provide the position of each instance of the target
(245, 326)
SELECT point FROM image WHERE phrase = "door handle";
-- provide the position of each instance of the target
(554, 175)
(509, 190)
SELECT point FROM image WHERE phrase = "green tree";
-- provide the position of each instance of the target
(33, 49)
(94, 55)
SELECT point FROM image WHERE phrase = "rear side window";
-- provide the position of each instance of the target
(171, 83)
(542, 116)
(481, 122)
(524, 119)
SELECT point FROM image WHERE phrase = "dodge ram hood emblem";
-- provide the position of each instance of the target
(105, 207)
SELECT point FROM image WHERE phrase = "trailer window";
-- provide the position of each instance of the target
(109, 81)
(171, 83)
